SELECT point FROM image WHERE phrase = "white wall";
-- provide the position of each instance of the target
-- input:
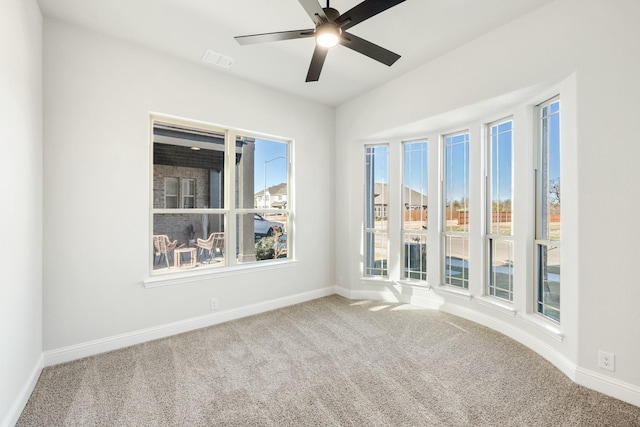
(98, 94)
(589, 49)
(21, 212)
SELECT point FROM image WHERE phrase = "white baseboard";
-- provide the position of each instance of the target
(421, 299)
(23, 397)
(609, 386)
(378, 295)
(601, 383)
(78, 351)
(514, 332)
(593, 380)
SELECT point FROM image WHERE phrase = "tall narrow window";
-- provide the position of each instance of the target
(548, 211)
(415, 209)
(375, 210)
(456, 210)
(499, 198)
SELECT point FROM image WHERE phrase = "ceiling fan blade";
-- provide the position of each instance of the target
(369, 49)
(317, 61)
(314, 10)
(274, 37)
(364, 11)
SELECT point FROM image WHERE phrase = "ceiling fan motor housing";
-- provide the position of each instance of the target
(331, 13)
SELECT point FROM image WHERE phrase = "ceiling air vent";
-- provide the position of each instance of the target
(217, 59)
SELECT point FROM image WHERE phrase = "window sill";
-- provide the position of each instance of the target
(543, 325)
(369, 280)
(496, 304)
(446, 290)
(193, 276)
(415, 283)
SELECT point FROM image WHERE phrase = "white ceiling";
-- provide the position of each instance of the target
(418, 30)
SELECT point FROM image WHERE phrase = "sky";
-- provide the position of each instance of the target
(416, 169)
(554, 141)
(275, 154)
(502, 160)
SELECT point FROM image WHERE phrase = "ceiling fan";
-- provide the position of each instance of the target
(330, 30)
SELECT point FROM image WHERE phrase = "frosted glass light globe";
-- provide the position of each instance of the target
(327, 35)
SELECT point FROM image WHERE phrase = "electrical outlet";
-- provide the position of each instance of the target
(214, 304)
(607, 360)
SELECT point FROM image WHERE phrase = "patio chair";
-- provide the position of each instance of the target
(162, 247)
(215, 243)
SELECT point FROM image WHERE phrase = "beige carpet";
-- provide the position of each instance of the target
(328, 362)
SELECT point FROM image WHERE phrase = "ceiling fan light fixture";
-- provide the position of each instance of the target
(327, 35)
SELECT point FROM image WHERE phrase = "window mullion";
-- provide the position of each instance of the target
(230, 202)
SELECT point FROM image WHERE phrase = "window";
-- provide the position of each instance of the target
(171, 192)
(456, 210)
(207, 181)
(499, 196)
(375, 211)
(548, 211)
(415, 209)
(188, 193)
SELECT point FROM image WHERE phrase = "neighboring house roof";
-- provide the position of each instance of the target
(274, 190)
(410, 197)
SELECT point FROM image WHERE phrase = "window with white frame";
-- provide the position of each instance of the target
(171, 192)
(499, 197)
(188, 192)
(205, 182)
(547, 241)
(375, 210)
(455, 236)
(415, 209)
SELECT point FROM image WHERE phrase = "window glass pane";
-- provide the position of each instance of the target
(549, 281)
(415, 191)
(262, 237)
(456, 262)
(261, 174)
(456, 178)
(376, 191)
(376, 207)
(501, 269)
(548, 213)
(501, 181)
(550, 172)
(376, 254)
(193, 156)
(456, 210)
(415, 256)
(415, 209)
(499, 212)
(187, 241)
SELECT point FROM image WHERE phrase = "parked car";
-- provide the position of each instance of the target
(263, 227)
